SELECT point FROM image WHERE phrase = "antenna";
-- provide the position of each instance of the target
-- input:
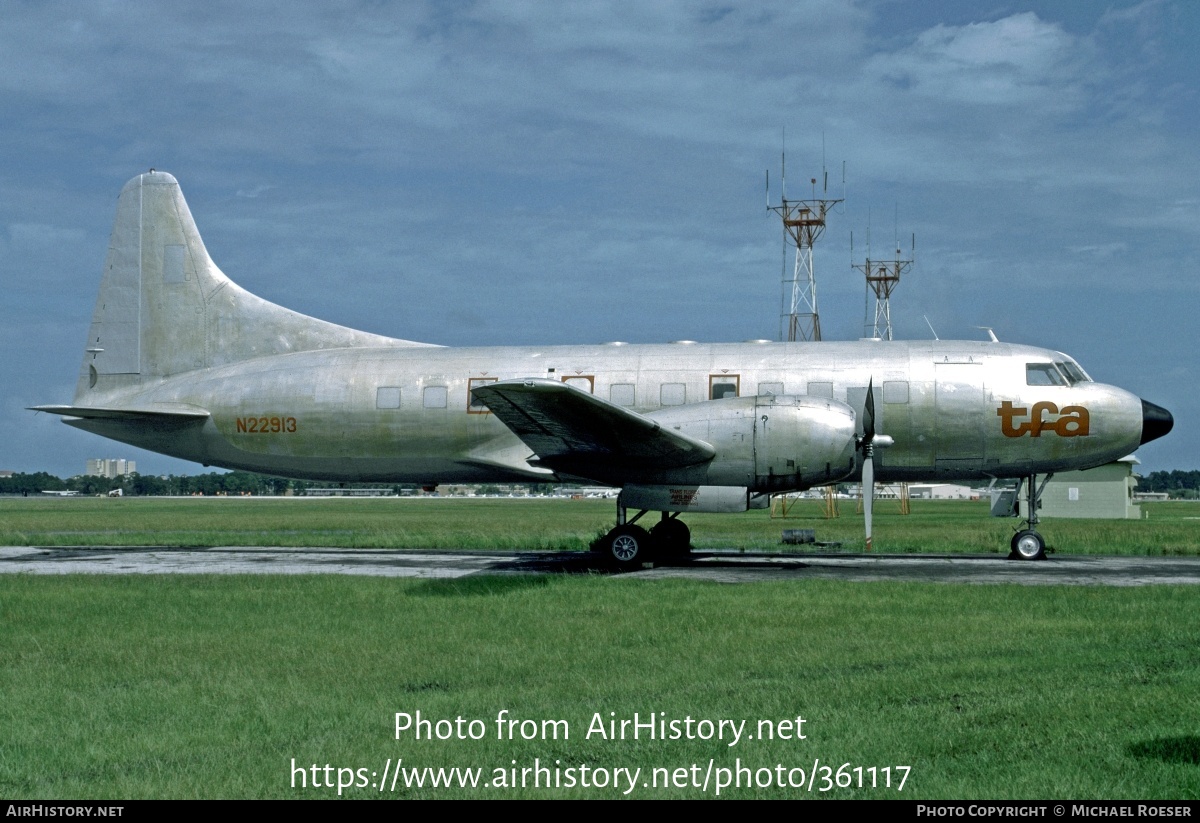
(803, 223)
(930, 325)
(882, 278)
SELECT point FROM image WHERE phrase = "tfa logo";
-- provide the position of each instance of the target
(1072, 420)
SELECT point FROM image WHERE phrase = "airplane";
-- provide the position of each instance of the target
(181, 360)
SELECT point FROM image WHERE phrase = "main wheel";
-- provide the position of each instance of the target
(1028, 545)
(673, 537)
(628, 546)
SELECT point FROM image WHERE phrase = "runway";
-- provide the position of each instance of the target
(724, 567)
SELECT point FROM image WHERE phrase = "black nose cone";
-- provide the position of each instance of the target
(1156, 421)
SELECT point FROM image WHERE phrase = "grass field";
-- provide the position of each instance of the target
(503, 524)
(197, 686)
(131, 687)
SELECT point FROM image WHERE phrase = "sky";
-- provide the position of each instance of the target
(476, 173)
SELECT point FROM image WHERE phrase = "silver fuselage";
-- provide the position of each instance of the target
(404, 414)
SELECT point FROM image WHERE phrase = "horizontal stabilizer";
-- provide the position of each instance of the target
(573, 431)
(130, 415)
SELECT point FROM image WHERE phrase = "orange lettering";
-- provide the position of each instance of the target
(1072, 421)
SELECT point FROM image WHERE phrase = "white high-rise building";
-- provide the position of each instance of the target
(110, 467)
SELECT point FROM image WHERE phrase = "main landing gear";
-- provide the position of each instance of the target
(629, 545)
(1028, 544)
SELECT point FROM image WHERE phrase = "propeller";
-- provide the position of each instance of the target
(866, 445)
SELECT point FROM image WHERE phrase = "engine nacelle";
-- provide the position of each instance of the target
(768, 443)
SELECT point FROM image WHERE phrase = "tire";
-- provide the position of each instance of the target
(628, 546)
(673, 537)
(1028, 545)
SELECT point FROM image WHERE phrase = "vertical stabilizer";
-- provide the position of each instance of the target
(165, 308)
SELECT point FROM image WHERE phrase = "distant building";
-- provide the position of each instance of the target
(1105, 491)
(110, 467)
(941, 491)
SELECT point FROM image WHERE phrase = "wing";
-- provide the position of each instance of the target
(578, 433)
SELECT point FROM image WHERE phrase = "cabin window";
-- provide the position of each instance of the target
(895, 391)
(387, 397)
(672, 394)
(770, 389)
(820, 389)
(723, 385)
(434, 397)
(622, 394)
(473, 405)
(1043, 374)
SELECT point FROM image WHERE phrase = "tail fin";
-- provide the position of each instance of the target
(165, 308)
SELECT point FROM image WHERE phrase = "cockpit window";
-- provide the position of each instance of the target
(1043, 374)
(1075, 374)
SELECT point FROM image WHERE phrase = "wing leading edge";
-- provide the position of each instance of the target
(576, 432)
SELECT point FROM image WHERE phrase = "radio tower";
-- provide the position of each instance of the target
(882, 277)
(803, 224)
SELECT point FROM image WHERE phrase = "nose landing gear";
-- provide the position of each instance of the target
(1028, 544)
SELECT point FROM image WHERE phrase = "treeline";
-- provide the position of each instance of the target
(214, 483)
(1175, 483)
(1179, 484)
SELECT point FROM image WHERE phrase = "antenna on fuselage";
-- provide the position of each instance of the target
(930, 325)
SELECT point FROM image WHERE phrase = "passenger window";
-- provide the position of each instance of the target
(1043, 374)
(672, 394)
(820, 389)
(434, 397)
(621, 394)
(770, 389)
(387, 397)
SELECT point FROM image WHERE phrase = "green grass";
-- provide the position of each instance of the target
(194, 686)
(501, 524)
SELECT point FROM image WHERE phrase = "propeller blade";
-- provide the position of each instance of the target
(869, 413)
(868, 490)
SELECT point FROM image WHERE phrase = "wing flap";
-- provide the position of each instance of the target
(574, 431)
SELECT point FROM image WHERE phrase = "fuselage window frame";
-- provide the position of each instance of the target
(716, 380)
(473, 406)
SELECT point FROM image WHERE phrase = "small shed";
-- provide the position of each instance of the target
(1105, 492)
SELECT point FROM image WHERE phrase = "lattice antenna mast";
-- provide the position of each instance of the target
(803, 223)
(882, 279)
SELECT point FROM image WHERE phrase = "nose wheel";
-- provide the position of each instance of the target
(1028, 544)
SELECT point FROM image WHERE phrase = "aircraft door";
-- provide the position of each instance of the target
(960, 417)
